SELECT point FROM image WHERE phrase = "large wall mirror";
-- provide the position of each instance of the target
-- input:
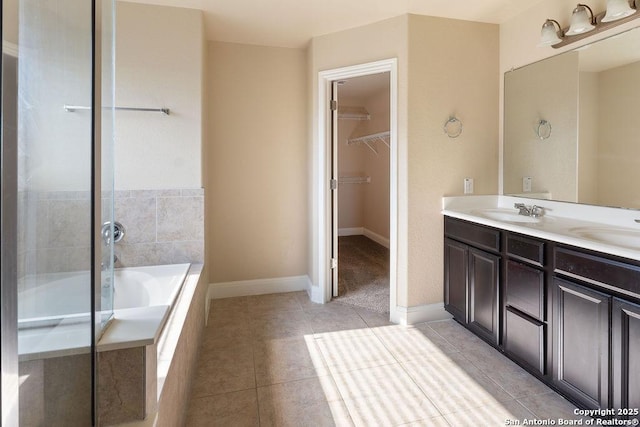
(572, 125)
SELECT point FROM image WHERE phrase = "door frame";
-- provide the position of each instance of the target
(322, 173)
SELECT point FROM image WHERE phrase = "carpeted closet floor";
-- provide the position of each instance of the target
(363, 273)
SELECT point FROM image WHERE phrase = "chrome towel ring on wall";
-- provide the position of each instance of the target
(453, 127)
(544, 129)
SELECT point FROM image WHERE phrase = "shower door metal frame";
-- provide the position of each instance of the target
(9, 385)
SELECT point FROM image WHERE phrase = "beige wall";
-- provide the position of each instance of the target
(435, 80)
(376, 194)
(10, 21)
(459, 76)
(365, 205)
(54, 145)
(588, 113)
(256, 189)
(351, 162)
(159, 63)
(618, 148)
(545, 90)
(382, 40)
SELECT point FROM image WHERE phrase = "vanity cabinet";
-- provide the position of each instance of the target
(626, 354)
(581, 339)
(568, 315)
(472, 266)
(456, 273)
(525, 327)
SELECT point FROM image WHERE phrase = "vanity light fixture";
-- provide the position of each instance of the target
(582, 20)
(550, 35)
(618, 9)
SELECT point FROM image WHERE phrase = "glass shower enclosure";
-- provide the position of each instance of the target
(57, 120)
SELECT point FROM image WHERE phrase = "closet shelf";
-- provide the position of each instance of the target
(353, 113)
(354, 180)
(368, 140)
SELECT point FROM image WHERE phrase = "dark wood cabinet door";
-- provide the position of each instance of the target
(581, 343)
(483, 293)
(456, 260)
(626, 354)
(524, 340)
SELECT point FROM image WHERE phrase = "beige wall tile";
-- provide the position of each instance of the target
(121, 386)
(138, 215)
(180, 218)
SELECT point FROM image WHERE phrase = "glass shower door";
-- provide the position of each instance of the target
(57, 191)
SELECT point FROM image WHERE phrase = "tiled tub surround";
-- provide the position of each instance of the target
(560, 222)
(157, 377)
(148, 385)
(58, 236)
(162, 226)
(145, 355)
(138, 350)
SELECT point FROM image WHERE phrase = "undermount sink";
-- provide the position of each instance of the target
(506, 215)
(613, 236)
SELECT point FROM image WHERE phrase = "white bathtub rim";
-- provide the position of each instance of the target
(129, 328)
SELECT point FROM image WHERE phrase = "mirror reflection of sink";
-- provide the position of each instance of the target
(506, 215)
(613, 236)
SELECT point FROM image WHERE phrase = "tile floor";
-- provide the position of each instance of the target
(280, 360)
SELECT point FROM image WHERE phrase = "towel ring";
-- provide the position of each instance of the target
(544, 129)
(453, 127)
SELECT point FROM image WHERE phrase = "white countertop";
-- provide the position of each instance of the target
(558, 223)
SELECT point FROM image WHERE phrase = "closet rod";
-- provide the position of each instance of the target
(72, 108)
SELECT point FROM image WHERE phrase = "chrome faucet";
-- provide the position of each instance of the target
(534, 211)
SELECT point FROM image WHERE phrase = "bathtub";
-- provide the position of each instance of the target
(50, 301)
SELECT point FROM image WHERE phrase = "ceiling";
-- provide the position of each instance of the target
(359, 88)
(292, 23)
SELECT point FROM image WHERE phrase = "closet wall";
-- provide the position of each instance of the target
(364, 208)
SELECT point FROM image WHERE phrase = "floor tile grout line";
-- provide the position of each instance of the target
(387, 346)
(397, 362)
(462, 353)
(331, 374)
(411, 377)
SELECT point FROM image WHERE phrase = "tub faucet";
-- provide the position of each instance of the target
(534, 211)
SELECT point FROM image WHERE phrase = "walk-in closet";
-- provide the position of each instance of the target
(363, 192)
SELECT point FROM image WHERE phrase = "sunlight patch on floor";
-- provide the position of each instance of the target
(407, 374)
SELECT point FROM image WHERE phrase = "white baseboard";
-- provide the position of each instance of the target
(362, 231)
(353, 231)
(259, 287)
(376, 238)
(315, 293)
(419, 314)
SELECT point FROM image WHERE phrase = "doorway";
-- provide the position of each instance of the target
(327, 171)
(362, 155)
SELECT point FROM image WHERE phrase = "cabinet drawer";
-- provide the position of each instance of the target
(525, 289)
(527, 249)
(476, 235)
(615, 275)
(524, 340)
